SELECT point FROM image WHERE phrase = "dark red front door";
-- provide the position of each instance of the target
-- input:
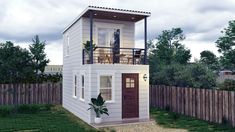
(130, 95)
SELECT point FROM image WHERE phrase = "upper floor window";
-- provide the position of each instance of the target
(67, 45)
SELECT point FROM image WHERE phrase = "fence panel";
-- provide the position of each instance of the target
(41, 93)
(211, 105)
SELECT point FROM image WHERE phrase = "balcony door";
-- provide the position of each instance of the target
(110, 38)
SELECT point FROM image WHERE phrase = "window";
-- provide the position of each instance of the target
(130, 83)
(75, 86)
(82, 87)
(106, 87)
(67, 46)
(106, 36)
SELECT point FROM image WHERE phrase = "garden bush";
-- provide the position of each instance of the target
(228, 84)
(190, 75)
(5, 111)
(28, 109)
(24, 109)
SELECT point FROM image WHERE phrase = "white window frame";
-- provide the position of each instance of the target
(75, 92)
(67, 45)
(80, 88)
(107, 73)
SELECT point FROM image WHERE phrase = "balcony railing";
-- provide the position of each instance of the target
(110, 55)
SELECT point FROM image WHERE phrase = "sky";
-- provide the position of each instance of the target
(201, 21)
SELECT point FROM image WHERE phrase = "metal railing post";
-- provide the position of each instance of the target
(133, 58)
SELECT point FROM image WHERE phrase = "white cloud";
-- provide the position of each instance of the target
(201, 20)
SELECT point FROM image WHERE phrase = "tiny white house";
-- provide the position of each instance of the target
(110, 64)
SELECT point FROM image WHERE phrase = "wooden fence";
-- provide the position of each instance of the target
(43, 93)
(210, 105)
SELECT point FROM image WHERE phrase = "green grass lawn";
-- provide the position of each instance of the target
(56, 120)
(172, 120)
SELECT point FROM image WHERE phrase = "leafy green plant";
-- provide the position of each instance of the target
(87, 47)
(97, 104)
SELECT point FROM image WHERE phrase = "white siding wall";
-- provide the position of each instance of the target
(115, 108)
(72, 64)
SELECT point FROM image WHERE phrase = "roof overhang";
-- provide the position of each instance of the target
(111, 14)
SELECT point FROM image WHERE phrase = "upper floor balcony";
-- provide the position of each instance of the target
(110, 55)
(113, 37)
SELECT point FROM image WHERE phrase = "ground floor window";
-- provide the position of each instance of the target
(82, 87)
(75, 86)
(106, 87)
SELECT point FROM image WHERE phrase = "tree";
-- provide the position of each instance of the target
(15, 63)
(226, 44)
(209, 59)
(38, 55)
(191, 75)
(168, 48)
(167, 51)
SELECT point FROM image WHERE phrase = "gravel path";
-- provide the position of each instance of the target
(144, 127)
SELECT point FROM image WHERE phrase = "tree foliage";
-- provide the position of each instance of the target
(168, 48)
(38, 55)
(21, 65)
(168, 60)
(226, 45)
(191, 75)
(209, 59)
(15, 63)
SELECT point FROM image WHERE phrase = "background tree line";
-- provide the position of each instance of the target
(18, 65)
(169, 59)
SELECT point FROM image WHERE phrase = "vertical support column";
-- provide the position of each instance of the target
(133, 58)
(91, 37)
(145, 40)
(83, 56)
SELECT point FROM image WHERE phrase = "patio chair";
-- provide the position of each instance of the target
(137, 56)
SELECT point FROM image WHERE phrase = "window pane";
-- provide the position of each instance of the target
(106, 87)
(128, 80)
(82, 93)
(128, 85)
(75, 85)
(82, 80)
(106, 94)
(132, 80)
(105, 81)
(132, 85)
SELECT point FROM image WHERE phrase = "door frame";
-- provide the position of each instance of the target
(123, 85)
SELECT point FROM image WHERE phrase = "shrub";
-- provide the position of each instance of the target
(28, 108)
(197, 76)
(228, 84)
(191, 75)
(174, 116)
(5, 111)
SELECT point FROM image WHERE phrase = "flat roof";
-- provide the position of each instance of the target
(111, 14)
